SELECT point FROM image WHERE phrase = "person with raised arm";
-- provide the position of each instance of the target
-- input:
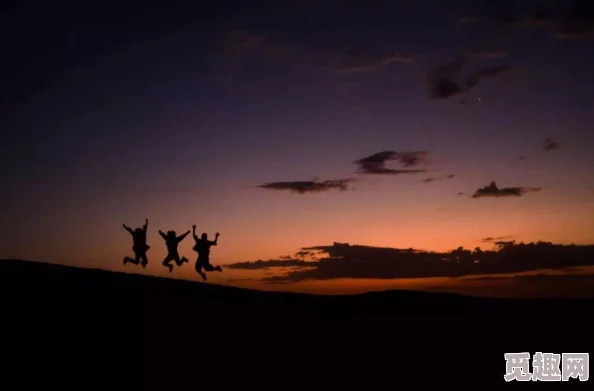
(202, 247)
(139, 245)
(171, 241)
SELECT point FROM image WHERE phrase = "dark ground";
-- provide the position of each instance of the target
(72, 323)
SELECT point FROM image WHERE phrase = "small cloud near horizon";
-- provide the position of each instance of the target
(493, 191)
(490, 239)
(271, 263)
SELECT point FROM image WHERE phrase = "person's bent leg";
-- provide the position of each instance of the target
(199, 270)
(166, 263)
(180, 261)
(143, 260)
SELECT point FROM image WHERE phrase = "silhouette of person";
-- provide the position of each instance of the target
(202, 247)
(139, 245)
(172, 240)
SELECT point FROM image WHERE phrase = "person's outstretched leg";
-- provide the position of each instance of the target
(180, 261)
(166, 263)
(199, 270)
(143, 260)
(129, 259)
(210, 268)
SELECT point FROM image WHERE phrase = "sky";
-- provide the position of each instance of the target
(424, 125)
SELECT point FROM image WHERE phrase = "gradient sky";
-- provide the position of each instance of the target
(113, 114)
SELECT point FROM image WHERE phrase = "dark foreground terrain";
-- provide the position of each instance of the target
(159, 332)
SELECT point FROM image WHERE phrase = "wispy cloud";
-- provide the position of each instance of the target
(271, 263)
(551, 145)
(491, 239)
(444, 81)
(429, 180)
(376, 163)
(493, 191)
(483, 73)
(303, 187)
(376, 65)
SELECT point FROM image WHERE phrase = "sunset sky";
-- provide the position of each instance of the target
(182, 115)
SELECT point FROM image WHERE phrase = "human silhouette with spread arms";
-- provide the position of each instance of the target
(139, 247)
(172, 240)
(202, 247)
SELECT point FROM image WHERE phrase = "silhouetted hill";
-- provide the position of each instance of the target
(150, 326)
(26, 279)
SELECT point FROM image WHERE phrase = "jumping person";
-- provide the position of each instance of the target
(172, 240)
(202, 247)
(139, 245)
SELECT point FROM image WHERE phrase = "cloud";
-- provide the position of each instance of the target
(303, 187)
(260, 264)
(441, 80)
(552, 278)
(444, 81)
(490, 239)
(483, 73)
(304, 253)
(375, 164)
(551, 145)
(493, 191)
(376, 65)
(460, 193)
(343, 260)
(429, 180)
